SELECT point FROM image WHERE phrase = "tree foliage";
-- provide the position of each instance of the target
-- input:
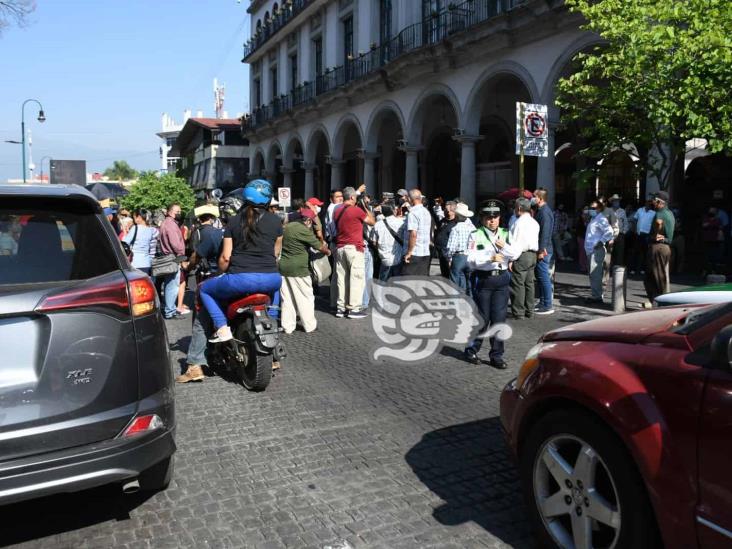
(154, 192)
(662, 76)
(15, 11)
(120, 170)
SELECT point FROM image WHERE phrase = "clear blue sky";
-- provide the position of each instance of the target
(105, 71)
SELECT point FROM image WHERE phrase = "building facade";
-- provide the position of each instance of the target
(410, 93)
(168, 134)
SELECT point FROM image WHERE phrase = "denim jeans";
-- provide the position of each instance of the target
(171, 283)
(544, 281)
(460, 273)
(368, 275)
(197, 347)
(216, 292)
(385, 272)
(491, 296)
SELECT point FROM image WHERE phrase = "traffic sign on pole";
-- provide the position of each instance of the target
(284, 196)
(532, 129)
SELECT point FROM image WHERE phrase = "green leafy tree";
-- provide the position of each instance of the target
(662, 76)
(154, 192)
(15, 11)
(120, 170)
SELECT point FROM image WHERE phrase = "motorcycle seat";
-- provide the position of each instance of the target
(253, 300)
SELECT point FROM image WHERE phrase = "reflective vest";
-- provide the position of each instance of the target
(481, 238)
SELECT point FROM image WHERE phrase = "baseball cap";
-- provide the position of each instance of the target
(402, 192)
(307, 212)
(314, 201)
(662, 195)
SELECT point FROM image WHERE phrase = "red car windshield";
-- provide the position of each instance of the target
(702, 317)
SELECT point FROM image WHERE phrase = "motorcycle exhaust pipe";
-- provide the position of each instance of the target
(131, 487)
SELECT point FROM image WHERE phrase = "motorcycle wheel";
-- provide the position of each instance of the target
(255, 372)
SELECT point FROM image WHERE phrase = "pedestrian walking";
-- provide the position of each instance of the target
(142, 240)
(598, 238)
(545, 256)
(348, 221)
(457, 248)
(522, 248)
(491, 280)
(296, 293)
(418, 257)
(389, 242)
(656, 281)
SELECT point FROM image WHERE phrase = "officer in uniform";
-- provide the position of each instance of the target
(491, 279)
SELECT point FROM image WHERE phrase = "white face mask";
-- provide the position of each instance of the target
(317, 210)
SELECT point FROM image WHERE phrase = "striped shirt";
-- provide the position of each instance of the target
(459, 236)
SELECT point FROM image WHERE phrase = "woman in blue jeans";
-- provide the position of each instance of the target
(248, 261)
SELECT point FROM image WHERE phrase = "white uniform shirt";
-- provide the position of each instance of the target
(419, 220)
(483, 260)
(598, 230)
(390, 251)
(645, 220)
(523, 237)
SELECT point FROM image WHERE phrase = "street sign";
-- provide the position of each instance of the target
(284, 196)
(532, 129)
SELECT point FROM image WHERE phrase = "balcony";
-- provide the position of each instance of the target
(430, 31)
(287, 13)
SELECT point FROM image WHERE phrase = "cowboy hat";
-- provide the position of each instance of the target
(463, 210)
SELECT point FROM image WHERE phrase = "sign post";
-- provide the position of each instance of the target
(532, 134)
(283, 197)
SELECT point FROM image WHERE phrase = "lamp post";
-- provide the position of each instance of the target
(49, 171)
(41, 118)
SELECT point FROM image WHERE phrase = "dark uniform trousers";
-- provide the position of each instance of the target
(491, 296)
(656, 280)
(522, 285)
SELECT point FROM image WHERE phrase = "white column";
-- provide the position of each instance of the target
(309, 180)
(411, 175)
(467, 167)
(336, 173)
(287, 177)
(545, 169)
(369, 173)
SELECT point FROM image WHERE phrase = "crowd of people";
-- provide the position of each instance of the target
(502, 256)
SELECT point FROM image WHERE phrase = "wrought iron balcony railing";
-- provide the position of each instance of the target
(429, 31)
(287, 13)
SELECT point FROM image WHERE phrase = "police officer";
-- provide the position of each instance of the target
(491, 279)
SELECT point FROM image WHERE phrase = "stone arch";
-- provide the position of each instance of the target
(341, 131)
(471, 117)
(317, 153)
(347, 169)
(292, 142)
(312, 142)
(258, 162)
(560, 64)
(413, 128)
(377, 116)
(274, 163)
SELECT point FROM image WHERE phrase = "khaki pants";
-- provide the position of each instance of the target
(296, 299)
(350, 269)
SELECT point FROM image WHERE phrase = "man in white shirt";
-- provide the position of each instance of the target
(388, 239)
(419, 228)
(644, 220)
(522, 248)
(598, 237)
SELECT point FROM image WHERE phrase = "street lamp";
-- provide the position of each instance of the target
(42, 159)
(41, 118)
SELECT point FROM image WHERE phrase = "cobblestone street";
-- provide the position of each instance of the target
(336, 450)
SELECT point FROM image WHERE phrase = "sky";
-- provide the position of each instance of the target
(106, 70)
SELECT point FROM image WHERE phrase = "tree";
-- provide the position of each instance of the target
(15, 11)
(154, 192)
(120, 170)
(662, 76)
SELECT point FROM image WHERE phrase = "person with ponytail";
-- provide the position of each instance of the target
(248, 260)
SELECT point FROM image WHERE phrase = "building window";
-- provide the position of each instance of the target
(431, 28)
(170, 141)
(273, 78)
(318, 47)
(293, 71)
(347, 38)
(257, 92)
(384, 20)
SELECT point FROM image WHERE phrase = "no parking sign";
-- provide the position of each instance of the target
(532, 129)
(284, 196)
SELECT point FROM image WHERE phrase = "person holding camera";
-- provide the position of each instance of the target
(348, 222)
(389, 242)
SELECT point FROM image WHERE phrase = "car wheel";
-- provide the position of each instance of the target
(582, 487)
(158, 476)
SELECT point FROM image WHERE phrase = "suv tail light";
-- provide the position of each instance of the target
(138, 299)
(143, 424)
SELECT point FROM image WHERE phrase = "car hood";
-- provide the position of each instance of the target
(627, 328)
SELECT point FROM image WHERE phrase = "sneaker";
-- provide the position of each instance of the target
(340, 313)
(193, 373)
(357, 315)
(542, 311)
(223, 334)
(184, 311)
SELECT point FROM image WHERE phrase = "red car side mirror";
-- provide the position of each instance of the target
(721, 349)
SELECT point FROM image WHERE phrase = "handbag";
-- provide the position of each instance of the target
(163, 265)
(320, 267)
(131, 255)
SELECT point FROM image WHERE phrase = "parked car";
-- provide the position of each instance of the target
(85, 382)
(710, 293)
(622, 428)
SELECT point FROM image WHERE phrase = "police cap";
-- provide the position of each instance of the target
(491, 207)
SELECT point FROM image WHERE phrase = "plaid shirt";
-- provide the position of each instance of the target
(458, 241)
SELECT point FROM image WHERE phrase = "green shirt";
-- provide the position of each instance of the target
(669, 222)
(295, 244)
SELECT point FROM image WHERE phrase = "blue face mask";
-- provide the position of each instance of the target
(593, 213)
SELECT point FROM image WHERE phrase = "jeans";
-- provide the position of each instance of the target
(491, 296)
(216, 292)
(368, 274)
(170, 294)
(597, 263)
(460, 273)
(386, 272)
(197, 347)
(544, 281)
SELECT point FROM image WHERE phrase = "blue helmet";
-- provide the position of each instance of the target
(258, 193)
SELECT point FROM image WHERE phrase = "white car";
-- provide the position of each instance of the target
(711, 293)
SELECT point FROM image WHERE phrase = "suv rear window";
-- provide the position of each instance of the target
(60, 241)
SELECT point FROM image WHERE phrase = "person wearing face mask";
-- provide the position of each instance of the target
(170, 241)
(316, 206)
(598, 238)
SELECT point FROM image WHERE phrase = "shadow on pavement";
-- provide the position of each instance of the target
(468, 466)
(48, 516)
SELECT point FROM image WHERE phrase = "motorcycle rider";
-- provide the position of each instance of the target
(252, 242)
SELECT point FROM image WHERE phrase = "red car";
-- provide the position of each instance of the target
(622, 428)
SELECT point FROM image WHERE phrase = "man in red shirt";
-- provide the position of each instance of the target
(348, 220)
